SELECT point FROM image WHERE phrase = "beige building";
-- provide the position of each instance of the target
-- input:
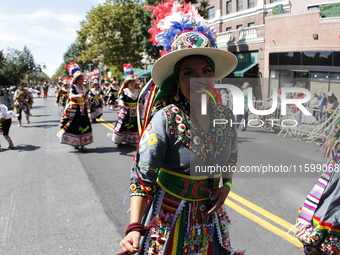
(289, 43)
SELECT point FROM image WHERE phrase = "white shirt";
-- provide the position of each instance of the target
(4, 113)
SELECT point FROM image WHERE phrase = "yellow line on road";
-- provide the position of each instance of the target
(293, 240)
(261, 211)
(106, 124)
(277, 231)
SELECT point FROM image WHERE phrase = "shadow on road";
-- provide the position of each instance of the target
(26, 147)
(122, 150)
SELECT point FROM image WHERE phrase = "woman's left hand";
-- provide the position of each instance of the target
(219, 196)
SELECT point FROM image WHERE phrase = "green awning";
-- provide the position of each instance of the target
(145, 74)
(241, 68)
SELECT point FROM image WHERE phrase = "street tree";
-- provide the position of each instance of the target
(107, 33)
(16, 66)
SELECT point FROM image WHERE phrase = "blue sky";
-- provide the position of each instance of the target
(47, 28)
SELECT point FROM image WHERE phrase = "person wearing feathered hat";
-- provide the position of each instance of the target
(95, 101)
(126, 129)
(75, 126)
(112, 94)
(175, 204)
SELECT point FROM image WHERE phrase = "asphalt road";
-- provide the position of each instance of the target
(55, 200)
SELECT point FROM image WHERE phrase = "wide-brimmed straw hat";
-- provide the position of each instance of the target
(224, 61)
(182, 32)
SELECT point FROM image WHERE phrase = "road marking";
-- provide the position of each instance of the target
(265, 224)
(106, 124)
(261, 211)
(275, 230)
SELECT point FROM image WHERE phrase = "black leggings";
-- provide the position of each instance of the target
(5, 126)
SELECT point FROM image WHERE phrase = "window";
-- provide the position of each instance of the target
(315, 7)
(211, 13)
(229, 7)
(252, 24)
(273, 1)
(290, 58)
(319, 58)
(239, 5)
(228, 29)
(251, 4)
(239, 27)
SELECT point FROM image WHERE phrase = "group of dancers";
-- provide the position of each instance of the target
(81, 106)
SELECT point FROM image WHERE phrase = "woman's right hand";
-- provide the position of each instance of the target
(131, 242)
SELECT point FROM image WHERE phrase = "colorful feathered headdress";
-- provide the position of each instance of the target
(172, 19)
(128, 70)
(73, 70)
(182, 31)
(60, 79)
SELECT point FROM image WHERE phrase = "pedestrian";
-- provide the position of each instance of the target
(332, 104)
(45, 90)
(95, 101)
(314, 104)
(5, 125)
(126, 129)
(112, 94)
(244, 116)
(296, 132)
(318, 221)
(75, 126)
(62, 95)
(176, 210)
(22, 97)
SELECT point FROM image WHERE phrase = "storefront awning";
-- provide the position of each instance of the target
(145, 74)
(241, 68)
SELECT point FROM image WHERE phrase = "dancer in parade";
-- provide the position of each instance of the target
(126, 129)
(22, 99)
(5, 125)
(106, 87)
(95, 101)
(318, 221)
(175, 210)
(75, 126)
(112, 94)
(62, 95)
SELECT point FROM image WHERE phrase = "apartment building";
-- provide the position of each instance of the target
(287, 43)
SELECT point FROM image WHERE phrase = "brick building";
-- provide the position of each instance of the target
(288, 43)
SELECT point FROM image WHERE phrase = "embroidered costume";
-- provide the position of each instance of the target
(62, 98)
(112, 96)
(22, 99)
(95, 102)
(181, 201)
(319, 217)
(75, 127)
(126, 129)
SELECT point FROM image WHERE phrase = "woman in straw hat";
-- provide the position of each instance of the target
(126, 129)
(176, 206)
(95, 101)
(75, 127)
